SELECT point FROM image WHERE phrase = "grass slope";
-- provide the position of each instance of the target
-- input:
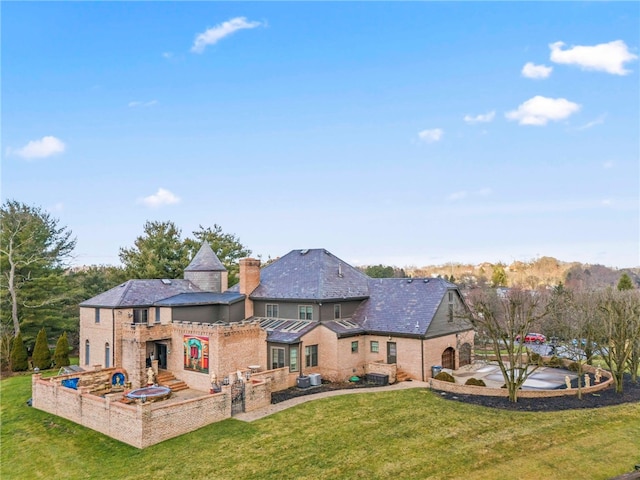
(403, 434)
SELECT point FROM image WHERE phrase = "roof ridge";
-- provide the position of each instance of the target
(124, 292)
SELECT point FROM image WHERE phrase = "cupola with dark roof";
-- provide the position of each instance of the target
(206, 271)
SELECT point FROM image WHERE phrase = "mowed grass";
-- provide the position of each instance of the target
(402, 435)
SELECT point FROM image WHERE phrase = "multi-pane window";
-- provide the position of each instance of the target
(87, 352)
(272, 310)
(337, 311)
(305, 312)
(140, 315)
(107, 355)
(277, 357)
(157, 314)
(375, 346)
(97, 313)
(311, 355)
(354, 347)
(293, 359)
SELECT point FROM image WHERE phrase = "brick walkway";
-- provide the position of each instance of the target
(278, 407)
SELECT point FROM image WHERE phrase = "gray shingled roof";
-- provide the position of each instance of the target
(205, 261)
(401, 306)
(140, 293)
(200, 298)
(312, 274)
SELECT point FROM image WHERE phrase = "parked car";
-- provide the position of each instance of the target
(536, 338)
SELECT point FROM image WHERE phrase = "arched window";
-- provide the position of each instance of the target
(107, 355)
(87, 353)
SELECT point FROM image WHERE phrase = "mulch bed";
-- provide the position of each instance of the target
(293, 392)
(603, 398)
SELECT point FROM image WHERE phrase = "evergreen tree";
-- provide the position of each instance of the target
(41, 357)
(34, 248)
(625, 283)
(19, 355)
(499, 276)
(61, 355)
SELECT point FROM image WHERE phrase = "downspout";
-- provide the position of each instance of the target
(113, 337)
(422, 354)
(300, 353)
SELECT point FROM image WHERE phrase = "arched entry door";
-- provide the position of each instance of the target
(449, 358)
(465, 354)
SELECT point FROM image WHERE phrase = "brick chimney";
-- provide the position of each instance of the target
(249, 281)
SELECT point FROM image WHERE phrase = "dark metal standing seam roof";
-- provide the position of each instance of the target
(200, 298)
(281, 335)
(401, 306)
(313, 274)
(140, 293)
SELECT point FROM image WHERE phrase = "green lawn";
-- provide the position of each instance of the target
(401, 435)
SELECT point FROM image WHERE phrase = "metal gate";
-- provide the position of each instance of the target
(237, 397)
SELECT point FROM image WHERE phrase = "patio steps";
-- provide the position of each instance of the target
(402, 376)
(168, 379)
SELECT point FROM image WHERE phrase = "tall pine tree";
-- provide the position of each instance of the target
(19, 355)
(41, 357)
(61, 355)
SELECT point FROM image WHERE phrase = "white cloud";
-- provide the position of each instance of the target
(430, 136)
(45, 147)
(167, 54)
(531, 70)
(457, 195)
(593, 123)
(604, 57)
(213, 35)
(540, 110)
(608, 164)
(142, 104)
(160, 198)
(481, 118)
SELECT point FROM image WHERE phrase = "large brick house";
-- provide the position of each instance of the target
(308, 311)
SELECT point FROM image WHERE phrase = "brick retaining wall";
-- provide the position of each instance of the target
(139, 425)
(503, 392)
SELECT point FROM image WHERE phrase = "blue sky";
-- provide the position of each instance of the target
(398, 133)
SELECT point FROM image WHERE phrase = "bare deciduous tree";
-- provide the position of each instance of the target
(618, 330)
(502, 318)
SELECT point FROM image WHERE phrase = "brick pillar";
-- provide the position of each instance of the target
(249, 281)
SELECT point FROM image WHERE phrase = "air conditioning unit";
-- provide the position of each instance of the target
(315, 379)
(303, 382)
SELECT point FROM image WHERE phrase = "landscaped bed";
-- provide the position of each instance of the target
(603, 398)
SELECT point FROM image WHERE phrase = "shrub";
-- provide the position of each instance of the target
(61, 355)
(477, 382)
(535, 358)
(41, 357)
(445, 377)
(554, 362)
(19, 355)
(574, 367)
